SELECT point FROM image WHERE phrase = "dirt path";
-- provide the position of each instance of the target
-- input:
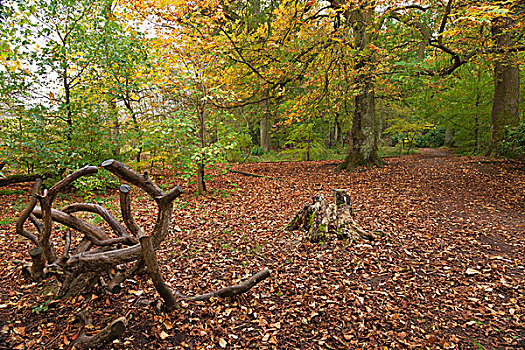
(434, 153)
(446, 272)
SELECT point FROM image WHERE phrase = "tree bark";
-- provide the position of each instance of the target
(319, 219)
(14, 179)
(264, 133)
(38, 263)
(449, 136)
(234, 290)
(201, 184)
(111, 332)
(505, 104)
(148, 253)
(364, 136)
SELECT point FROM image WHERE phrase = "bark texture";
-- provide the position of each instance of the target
(319, 219)
(505, 104)
(364, 136)
(99, 255)
(265, 133)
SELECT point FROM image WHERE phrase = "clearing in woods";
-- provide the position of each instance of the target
(447, 270)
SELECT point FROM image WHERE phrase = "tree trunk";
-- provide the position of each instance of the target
(477, 124)
(264, 133)
(201, 184)
(449, 137)
(365, 125)
(364, 136)
(505, 105)
(337, 129)
(115, 134)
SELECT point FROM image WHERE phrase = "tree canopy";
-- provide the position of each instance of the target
(194, 84)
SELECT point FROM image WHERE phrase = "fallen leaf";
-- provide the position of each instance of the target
(222, 343)
(472, 272)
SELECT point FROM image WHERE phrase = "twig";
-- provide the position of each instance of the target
(254, 175)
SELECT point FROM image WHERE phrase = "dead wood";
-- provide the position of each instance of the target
(115, 285)
(67, 243)
(318, 219)
(103, 212)
(233, 290)
(74, 284)
(100, 256)
(150, 258)
(38, 263)
(131, 176)
(28, 210)
(112, 331)
(125, 209)
(15, 179)
(95, 234)
(253, 175)
(46, 202)
(97, 253)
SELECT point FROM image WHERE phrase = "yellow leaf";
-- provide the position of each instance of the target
(167, 324)
(136, 292)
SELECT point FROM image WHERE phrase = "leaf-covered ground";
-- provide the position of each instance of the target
(446, 272)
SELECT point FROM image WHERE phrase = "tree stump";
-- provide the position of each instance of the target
(319, 219)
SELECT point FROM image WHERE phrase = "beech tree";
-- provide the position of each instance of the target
(459, 31)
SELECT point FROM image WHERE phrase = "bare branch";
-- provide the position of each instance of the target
(148, 253)
(103, 212)
(234, 290)
(27, 212)
(127, 174)
(64, 183)
(125, 208)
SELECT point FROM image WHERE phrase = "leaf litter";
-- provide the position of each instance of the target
(447, 270)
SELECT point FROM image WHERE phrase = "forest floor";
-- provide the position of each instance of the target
(446, 271)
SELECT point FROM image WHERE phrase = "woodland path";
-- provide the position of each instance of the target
(446, 272)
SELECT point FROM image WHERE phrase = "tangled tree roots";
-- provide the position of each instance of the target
(319, 219)
(98, 256)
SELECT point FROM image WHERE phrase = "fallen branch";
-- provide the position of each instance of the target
(15, 179)
(233, 290)
(111, 332)
(254, 175)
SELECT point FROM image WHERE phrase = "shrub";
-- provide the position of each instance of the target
(513, 143)
(433, 138)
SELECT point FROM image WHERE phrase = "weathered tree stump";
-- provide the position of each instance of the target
(319, 219)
